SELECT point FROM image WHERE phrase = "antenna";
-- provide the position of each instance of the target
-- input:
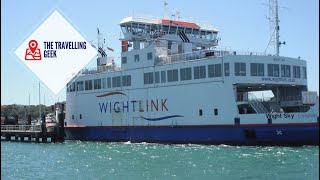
(100, 44)
(177, 15)
(165, 4)
(39, 102)
(274, 27)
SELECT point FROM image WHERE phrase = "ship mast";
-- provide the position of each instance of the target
(277, 28)
(274, 26)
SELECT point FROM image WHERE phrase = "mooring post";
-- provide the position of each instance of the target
(16, 119)
(8, 137)
(43, 128)
(29, 119)
(5, 120)
(60, 133)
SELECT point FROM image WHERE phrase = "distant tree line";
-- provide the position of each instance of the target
(23, 110)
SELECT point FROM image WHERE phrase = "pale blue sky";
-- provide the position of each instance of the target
(242, 24)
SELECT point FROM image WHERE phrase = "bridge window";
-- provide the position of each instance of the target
(195, 32)
(214, 36)
(188, 31)
(172, 75)
(163, 77)
(296, 71)
(124, 28)
(97, 84)
(226, 69)
(200, 112)
(214, 70)
(80, 86)
(199, 72)
(154, 28)
(116, 81)
(240, 69)
(88, 85)
(148, 78)
(73, 87)
(157, 77)
(134, 27)
(165, 28)
(148, 28)
(285, 71)
(109, 82)
(185, 74)
(209, 35)
(173, 29)
(180, 29)
(203, 34)
(257, 69)
(126, 80)
(273, 70)
(304, 72)
(124, 60)
(68, 87)
(141, 27)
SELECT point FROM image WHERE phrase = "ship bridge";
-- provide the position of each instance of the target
(148, 39)
(145, 29)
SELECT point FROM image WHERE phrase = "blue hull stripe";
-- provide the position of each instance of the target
(248, 135)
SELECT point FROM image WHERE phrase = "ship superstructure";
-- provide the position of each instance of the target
(175, 85)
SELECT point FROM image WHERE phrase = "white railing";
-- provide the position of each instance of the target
(95, 70)
(163, 59)
(168, 59)
(20, 128)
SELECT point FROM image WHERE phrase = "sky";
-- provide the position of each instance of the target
(242, 25)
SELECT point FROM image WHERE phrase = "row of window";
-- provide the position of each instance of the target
(274, 70)
(103, 83)
(124, 59)
(199, 72)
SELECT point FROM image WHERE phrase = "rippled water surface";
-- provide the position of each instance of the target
(100, 160)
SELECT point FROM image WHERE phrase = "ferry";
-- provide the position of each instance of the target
(175, 85)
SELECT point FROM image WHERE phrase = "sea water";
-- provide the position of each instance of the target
(101, 160)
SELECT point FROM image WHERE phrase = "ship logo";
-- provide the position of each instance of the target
(160, 118)
(111, 93)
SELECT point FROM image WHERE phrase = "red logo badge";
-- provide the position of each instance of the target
(33, 52)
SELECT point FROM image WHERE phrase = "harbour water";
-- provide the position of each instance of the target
(101, 160)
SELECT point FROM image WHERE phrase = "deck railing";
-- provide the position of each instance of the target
(20, 128)
(168, 59)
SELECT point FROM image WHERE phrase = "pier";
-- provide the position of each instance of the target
(45, 132)
(31, 133)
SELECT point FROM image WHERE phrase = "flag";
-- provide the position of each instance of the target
(110, 49)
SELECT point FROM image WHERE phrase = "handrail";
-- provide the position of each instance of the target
(20, 128)
(167, 59)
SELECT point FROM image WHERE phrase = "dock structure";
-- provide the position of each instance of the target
(31, 133)
(53, 132)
